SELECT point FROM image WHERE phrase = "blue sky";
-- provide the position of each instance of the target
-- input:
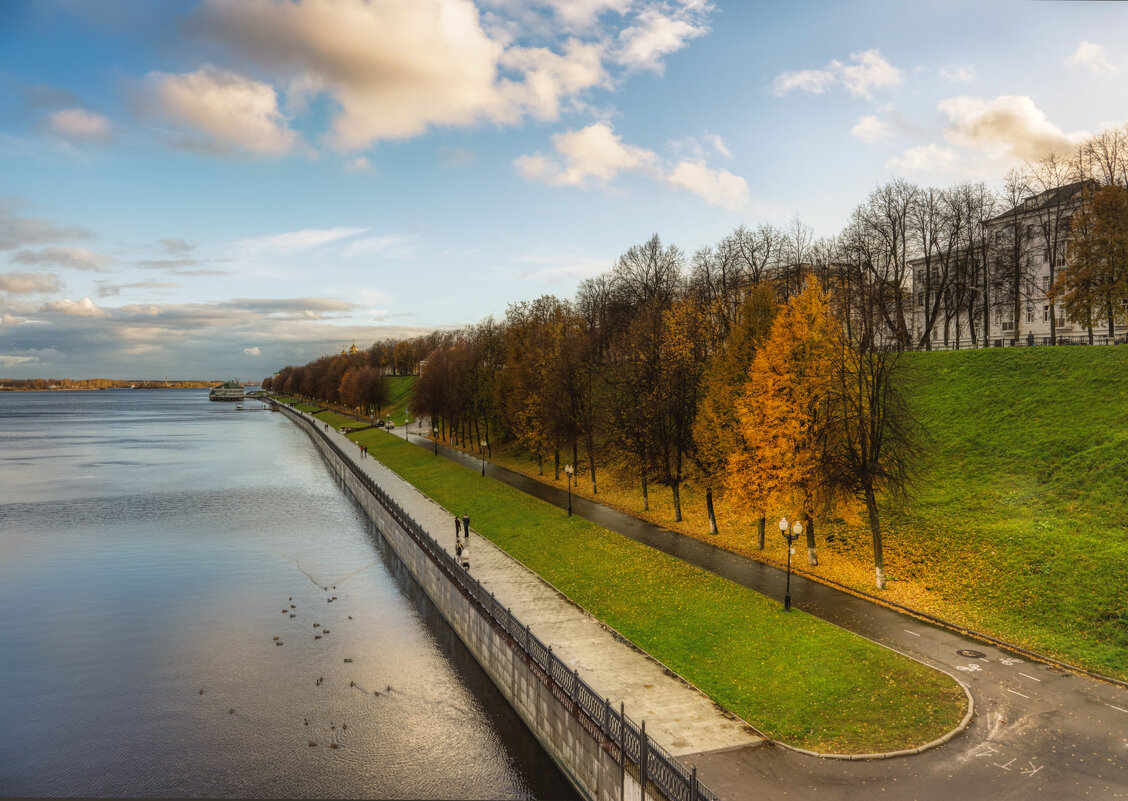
(220, 188)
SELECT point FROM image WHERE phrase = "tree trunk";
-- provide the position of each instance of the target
(540, 464)
(676, 487)
(645, 495)
(575, 463)
(712, 515)
(591, 463)
(556, 476)
(760, 525)
(875, 530)
(812, 554)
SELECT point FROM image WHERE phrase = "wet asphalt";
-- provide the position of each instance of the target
(1038, 731)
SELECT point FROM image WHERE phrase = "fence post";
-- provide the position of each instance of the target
(622, 749)
(642, 760)
(575, 686)
(693, 785)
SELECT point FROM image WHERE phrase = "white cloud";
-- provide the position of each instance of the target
(456, 156)
(718, 144)
(718, 187)
(595, 152)
(393, 246)
(73, 258)
(80, 124)
(870, 129)
(867, 70)
(12, 361)
(582, 14)
(957, 73)
(925, 158)
(13, 320)
(1092, 57)
(80, 308)
(697, 148)
(653, 36)
(17, 232)
(232, 111)
(361, 164)
(297, 240)
(29, 283)
(1008, 126)
(255, 351)
(558, 264)
(397, 67)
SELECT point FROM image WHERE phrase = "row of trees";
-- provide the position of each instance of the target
(764, 367)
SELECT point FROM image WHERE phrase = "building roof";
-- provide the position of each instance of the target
(1044, 200)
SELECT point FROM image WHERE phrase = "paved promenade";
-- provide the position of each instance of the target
(678, 716)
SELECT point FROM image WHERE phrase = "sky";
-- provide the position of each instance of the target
(219, 188)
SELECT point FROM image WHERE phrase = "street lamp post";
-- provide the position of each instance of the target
(435, 431)
(792, 533)
(482, 445)
(571, 471)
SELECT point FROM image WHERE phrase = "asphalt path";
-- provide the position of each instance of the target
(1038, 731)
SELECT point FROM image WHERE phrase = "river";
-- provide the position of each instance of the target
(191, 606)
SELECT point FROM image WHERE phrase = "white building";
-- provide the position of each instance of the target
(1024, 249)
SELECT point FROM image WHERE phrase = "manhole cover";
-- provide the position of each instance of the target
(970, 653)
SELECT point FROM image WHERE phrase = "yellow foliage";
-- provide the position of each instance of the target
(777, 413)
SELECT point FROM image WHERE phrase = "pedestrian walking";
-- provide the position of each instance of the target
(466, 525)
(457, 527)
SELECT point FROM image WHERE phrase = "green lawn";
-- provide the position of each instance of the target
(796, 678)
(1020, 512)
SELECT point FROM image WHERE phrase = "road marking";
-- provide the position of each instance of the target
(1016, 692)
(1030, 677)
(1118, 709)
(911, 632)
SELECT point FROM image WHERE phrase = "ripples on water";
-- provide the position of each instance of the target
(153, 545)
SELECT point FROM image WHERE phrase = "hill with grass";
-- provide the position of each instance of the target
(1019, 517)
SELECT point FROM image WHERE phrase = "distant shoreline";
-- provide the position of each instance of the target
(93, 387)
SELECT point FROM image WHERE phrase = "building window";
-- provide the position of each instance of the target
(920, 300)
(1045, 255)
(1029, 314)
(1045, 283)
(1045, 314)
(1030, 232)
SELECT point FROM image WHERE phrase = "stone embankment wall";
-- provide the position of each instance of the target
(600, 751)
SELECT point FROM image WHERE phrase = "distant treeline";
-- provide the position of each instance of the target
(36, 384)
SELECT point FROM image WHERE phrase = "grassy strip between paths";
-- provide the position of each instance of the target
(796, 678)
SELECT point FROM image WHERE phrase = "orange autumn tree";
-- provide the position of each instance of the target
(779, 469)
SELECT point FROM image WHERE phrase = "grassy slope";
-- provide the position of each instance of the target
(797, 678)
(1020, 513)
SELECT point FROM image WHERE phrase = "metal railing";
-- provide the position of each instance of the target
(1021, 342)
(617, 733)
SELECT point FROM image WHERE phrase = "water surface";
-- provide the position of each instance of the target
(191, 606)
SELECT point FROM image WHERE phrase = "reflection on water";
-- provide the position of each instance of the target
(166, 631)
